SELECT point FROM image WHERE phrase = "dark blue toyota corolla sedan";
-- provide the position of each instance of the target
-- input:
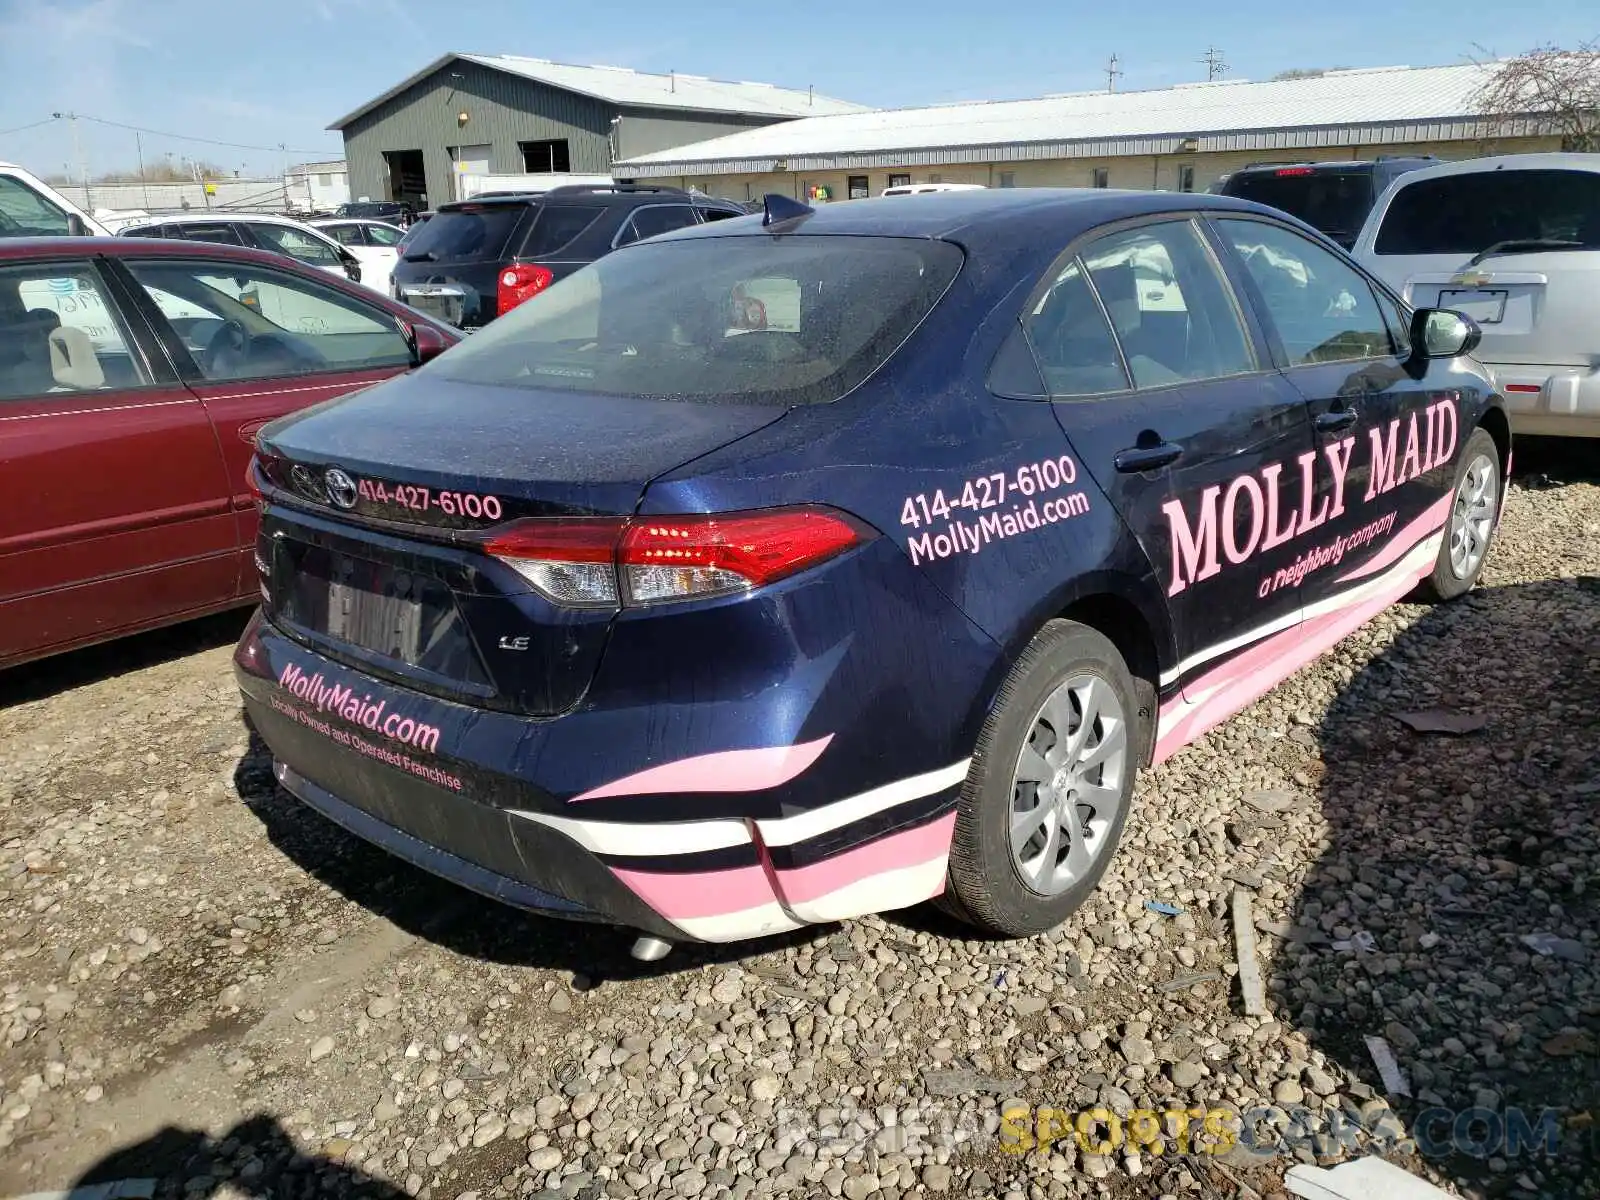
(818, 563)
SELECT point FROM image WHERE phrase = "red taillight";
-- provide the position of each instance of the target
(1294, 171)
(520, 282)
(603, 561)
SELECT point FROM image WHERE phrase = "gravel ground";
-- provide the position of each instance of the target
(204, 984)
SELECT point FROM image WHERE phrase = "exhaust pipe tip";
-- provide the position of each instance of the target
(650, 949)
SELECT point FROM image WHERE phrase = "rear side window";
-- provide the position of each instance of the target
(658, 218)
(471, 234)
(1071, 341)
(557, 227)
(1336, 202)
(1466, 214)
(782, 321)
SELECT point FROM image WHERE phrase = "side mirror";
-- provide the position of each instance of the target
(75, 226)
(352, 266)
(427, 343)
(1441, 333)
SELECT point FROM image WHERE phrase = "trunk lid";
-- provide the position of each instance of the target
(375, 554)
(1535, 308)
(451, 269)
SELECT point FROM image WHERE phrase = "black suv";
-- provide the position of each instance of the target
(396, 212)
(476, 259)
(1334, 197)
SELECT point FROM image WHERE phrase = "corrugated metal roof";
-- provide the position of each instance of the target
(1157, 121)
(637, 89)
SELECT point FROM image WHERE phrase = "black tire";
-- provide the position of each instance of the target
(1445, 583)
(985, 887)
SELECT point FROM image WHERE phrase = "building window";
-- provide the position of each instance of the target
(857, 187)
(935, 178)
(1008, 179)
(324, 179)
(1102, 177)
(543, 158)
(899, 180)
(1186, 179)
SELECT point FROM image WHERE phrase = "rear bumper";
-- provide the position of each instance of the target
(1550, 401)
(716, 847)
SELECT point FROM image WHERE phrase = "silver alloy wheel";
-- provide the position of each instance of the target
(1066, 790)
(1472, 517)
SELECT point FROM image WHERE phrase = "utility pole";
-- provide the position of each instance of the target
(138, 147)
(1214, 64)
(77, 154)
(1113, 73)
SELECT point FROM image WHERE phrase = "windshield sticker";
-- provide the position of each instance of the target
(1210, 533)
(945, 533)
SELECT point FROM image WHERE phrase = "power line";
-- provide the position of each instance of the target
(1113, 72)
(23, 128)
(176, 137)
(1214, 64)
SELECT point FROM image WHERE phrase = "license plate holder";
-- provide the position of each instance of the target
(1487, 307)
(377, 609)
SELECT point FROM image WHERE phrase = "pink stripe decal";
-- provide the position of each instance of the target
(908, 848)
(700, 893)
(1405, 541)
(1272, 662)
(726, 771)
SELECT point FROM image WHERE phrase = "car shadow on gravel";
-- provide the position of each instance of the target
(453, 917)
(256, 1158)
(48, 677)
(1450, 849)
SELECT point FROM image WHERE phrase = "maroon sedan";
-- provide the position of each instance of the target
(133, 375)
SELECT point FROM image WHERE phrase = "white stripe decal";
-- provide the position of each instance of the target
(736, 926)
(900, 888)
(640, 839)
(1202, 657)
(786, 831)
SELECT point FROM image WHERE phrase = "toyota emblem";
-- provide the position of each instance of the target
(341, 488)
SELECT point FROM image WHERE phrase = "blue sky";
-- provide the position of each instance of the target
(262, 74)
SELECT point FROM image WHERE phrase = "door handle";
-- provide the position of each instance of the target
(1147, 458)
(1336, 420)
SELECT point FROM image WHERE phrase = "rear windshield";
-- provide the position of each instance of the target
(1336, 202)
(466, 234)
(740, 320)
(558, 227)
(1466, 214)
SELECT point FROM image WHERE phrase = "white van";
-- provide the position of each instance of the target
(30, 207)
(916, 189)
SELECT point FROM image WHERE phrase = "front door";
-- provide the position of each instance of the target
(1386, 443)
(257, 343)
(115, 512)
(1199, 443)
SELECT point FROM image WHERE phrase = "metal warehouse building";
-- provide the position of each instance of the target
(498, 114)
(1174, 139)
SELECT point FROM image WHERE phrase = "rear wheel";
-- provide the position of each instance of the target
(1050, 785)
(1475, 503)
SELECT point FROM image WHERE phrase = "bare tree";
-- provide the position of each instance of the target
(1557, 88)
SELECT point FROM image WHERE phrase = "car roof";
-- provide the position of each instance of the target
(1331, 164)
(1000, 216)
(12, 249)
(1506, 162)
(212, 218)
(572, 192)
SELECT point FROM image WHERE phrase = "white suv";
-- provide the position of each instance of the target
(1514, 243)
(30, 207)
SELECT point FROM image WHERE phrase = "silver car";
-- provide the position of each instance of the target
(1514, 243)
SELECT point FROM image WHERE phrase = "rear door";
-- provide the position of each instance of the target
(254, 343)
(1384, 442)
(451, 268)
(1193, 437)
(1435, 243)
(116, 513)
